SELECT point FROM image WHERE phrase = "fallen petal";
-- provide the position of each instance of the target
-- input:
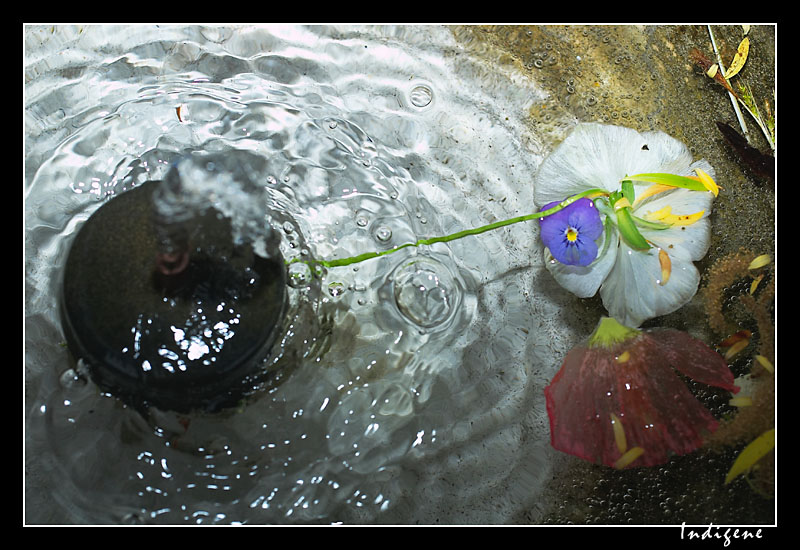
(613, 412)
(619, 433)
(666, 266)
(628, 457)
(754, 284)
(707, 181)
(751, 454)
(736, 348)
(741, 401)
(735, 337)
(759, 261)
(764, 362)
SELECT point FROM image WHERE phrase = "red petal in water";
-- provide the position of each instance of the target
(633, 383)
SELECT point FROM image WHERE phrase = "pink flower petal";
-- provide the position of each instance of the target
(693, 358)
(633, 383)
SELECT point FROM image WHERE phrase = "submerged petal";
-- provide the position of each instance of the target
(600, 155)
(633, 291)
(636, 411)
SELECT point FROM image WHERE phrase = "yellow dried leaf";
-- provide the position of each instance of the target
(751, 454)
(739, 58)
(755, 282)
(764, 362)
(619, 434)
(666, 266)
(628, 457)
(707, 181)
(759, 261)
(740, 401)
(736, 348)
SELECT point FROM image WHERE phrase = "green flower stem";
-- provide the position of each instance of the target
(447, 238)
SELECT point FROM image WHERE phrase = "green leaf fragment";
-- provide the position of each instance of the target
(627, 191)
(628, 230)
(670, 179)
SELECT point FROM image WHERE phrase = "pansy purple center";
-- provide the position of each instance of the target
(570, 233)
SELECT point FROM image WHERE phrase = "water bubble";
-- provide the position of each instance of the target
(425, 292)
(421, 96)
(288, 228)
(383, 233)
(70, 378)
(300, 275)
(538, 63)
(362, 220)
(335, 289)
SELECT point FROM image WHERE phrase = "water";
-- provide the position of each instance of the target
(407, 388)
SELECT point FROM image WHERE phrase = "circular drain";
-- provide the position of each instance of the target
(182, 330)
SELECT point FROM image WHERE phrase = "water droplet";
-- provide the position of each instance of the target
(383, 233)
(300, 275)
(332, 124)
(362, 220)
(425, 292)
(271, 180)
(421, 96)
(336, 289)
(70, 379)
(288, 227)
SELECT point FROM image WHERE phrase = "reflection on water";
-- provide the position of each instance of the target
(407, 388)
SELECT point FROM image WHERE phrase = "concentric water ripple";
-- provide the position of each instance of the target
(407, 388)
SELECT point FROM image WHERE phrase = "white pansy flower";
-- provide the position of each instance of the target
(653, 232)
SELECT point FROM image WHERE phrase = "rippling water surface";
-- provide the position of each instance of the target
(408, 388)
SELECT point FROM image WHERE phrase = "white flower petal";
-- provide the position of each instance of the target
(583, 282)
(632, 292)
(600, 155)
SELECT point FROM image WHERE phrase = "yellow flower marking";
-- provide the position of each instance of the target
(665, 215)
(631, 455)
(572, 235)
